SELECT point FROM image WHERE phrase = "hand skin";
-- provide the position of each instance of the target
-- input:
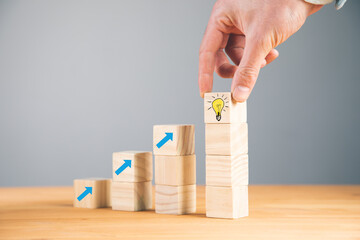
(247, 31)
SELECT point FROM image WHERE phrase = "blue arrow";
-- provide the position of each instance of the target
(85, 193)
(127, 163)
(169, 136)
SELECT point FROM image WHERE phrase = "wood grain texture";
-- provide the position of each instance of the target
(175, 170)
(100, 193)
(175, 199)
(108, 193)
(232, 112)
(131, 196)
(141, 169)
(227, 170)
(183, 142)
(276, 212)
(226, 139)
(227, 202)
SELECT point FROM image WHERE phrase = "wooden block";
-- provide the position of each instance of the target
(226, 139)
(108, 193)
(92, 193)
(175, 199)
(131, 196)
(221, 108)
(175, 170)
(227, 170)
(227, 202)
(132, 166)
(174, 140)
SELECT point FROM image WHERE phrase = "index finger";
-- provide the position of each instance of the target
(211, 43)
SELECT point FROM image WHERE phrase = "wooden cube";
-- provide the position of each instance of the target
(227, 202)
(174, 140)
(175, 170)
(227, 170)
(175, 199)
(131, 196)
(92, 193)
(221, 108)
(132, 166)
(226, 139)
(108, 193)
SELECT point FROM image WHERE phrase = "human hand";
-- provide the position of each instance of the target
(247, 31)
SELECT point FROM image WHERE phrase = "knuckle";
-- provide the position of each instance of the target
(217, 10)
(205, 55)
(264, 41)
(219, 4)
(248, 75)
(260, 37)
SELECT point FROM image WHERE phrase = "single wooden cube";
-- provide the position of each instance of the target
(227, 171)
(174, 140)
(221, 108)
(175, 170)
(92, 193)
(131, 196)
(226, 139)
(132, 166)
(227, 202)
(175, 199)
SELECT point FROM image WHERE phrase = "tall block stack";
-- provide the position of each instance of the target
(131, 185)
(226, 146)
(175, 169)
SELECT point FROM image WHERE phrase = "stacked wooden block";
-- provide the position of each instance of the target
(226, 145)
(175, 169)
(131, 185)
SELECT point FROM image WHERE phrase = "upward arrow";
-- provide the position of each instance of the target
(85, 193)
(169, 136)
(127, 163)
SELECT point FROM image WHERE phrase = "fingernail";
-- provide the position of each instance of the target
(241, 93)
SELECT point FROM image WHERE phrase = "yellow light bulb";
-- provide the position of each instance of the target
(218, 105)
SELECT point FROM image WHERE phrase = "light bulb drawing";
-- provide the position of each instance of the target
(219, 104)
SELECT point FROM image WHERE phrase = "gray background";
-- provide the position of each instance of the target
(82, 79)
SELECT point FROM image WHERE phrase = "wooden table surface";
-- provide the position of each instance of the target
(276, 212)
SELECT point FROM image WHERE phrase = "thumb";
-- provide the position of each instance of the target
(248, 70)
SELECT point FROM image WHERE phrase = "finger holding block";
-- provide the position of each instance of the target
(92, 193)
(227, 170)
(220, 108)
(175, 199)
(175, 170)
(174, 139)
(226, 139)
(132, 166)
(131, 196)
(227, 202)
